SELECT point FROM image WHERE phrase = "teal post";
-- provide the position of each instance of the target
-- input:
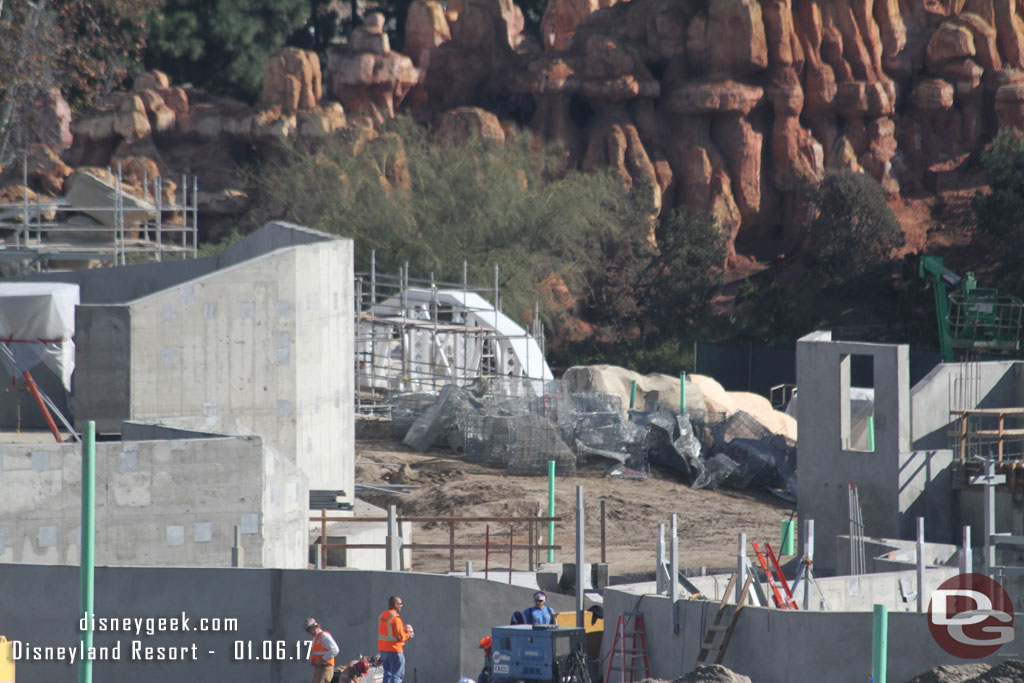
(871, 433)
(551, 509)
(87, 545)
(879, 643)
(632, 395)
(682, 393)
(788, 545)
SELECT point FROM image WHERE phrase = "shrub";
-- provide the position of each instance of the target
(854, 231)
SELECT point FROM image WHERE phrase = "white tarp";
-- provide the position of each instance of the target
(37, 323)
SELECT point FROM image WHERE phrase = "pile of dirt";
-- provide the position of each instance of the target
(706, 673)
(1009, 671)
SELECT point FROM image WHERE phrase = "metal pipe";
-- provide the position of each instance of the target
(741, 566)
(808, 559)
(579, 556)
(604, 557)
(966, 555)
(487, 550)
(551, 509)
(920, 565)
(879, 643)
(990, 518)
(88, 535)
(659, 573)
(158, 197)
(511, 542)
(673, 562)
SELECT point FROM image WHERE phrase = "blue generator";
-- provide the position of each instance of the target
(550, 653)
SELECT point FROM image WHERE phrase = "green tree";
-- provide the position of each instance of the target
(411, 199)
(221, 45)
(86, 49)
(648, 291)
(576, 242)
(854, 231)
(999, 211)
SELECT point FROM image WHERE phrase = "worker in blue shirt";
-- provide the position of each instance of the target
(540, 613)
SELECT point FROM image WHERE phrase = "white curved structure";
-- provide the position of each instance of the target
(427, 339)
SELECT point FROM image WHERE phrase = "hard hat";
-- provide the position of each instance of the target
(485, 642)
(539, 595)
(309, 623)
(466, 680)
(362, 667)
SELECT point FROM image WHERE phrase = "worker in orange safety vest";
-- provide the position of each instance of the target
(322, 652)
(391, 636)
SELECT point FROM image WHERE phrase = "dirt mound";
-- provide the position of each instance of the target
(706, 673)
(1009, 671)
(950, 673)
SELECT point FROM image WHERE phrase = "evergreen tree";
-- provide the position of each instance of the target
(221, 45)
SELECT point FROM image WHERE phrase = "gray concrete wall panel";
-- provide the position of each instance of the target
(450, 615)
(157, 503)
(265, 347)
(126, 283)
(781, 646)
(271, 237)
(102, 379)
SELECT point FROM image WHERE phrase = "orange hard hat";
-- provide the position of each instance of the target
(485, 642)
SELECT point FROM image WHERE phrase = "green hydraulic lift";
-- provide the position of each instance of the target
(971, 317)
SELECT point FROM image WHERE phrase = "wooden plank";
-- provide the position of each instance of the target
(732, 622)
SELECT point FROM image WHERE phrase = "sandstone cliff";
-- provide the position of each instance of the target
(729, 106)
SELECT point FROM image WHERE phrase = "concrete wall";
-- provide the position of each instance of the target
(157, 503)
(127, 283)
(991, 384)
(825, 462)
(263, 346)
(450, 614)
(781, 646)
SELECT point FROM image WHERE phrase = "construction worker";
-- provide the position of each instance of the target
(391, 636)
(540, 613)
(485, 673)
(321, 654)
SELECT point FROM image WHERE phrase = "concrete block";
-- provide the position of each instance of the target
(96, 198)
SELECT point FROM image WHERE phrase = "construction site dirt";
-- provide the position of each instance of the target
(708, 520)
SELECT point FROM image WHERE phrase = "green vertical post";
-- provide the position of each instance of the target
(87, 545)
(551, 509)
(879, 643)
(632, 394)
(682, 393)
(871, 433)
(788, 545)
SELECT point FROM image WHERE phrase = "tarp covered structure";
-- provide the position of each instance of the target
(37, 324)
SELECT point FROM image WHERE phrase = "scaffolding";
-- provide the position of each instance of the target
(981, 434)
(415, 336)
(37, 234)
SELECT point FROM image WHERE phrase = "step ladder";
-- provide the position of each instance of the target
(725, 610)
(633, 664)
(781, 593)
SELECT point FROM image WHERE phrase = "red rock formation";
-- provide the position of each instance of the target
(291, 80)
(426, 27)
(366, 76)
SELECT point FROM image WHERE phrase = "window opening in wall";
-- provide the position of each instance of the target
(858, 386)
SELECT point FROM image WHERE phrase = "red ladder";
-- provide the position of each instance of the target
(629, 625)
(773, 574)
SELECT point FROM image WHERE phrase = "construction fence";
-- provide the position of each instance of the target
(503, 423)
